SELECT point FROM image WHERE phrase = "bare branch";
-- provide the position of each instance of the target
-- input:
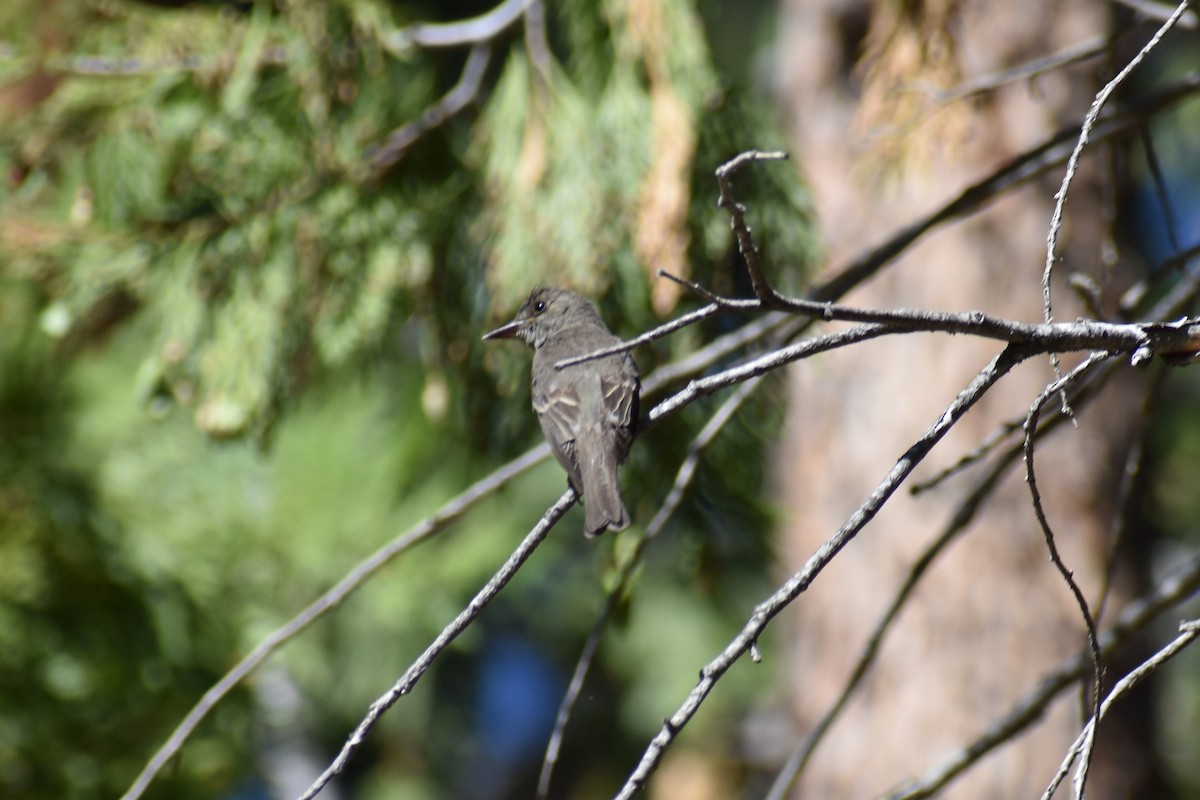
(761, 365)
(1031, 479)
(1190, 631)
(737, 220)
(483, 28)
(1031, 69)
(1033, 163)
(690, 318)
(1140, 340)
(1137, 615)
(768, 326)
(957, 524)
(708, 294)
(1089, 121)
(769, 608)
(962, 517)
(1160, 11)
(409, 679)
(464, 92)
(989, 444)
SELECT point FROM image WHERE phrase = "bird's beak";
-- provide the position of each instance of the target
(508, 331)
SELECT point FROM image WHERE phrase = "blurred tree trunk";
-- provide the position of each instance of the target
(992, 615)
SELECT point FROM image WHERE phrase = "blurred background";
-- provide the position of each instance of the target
(247, 251)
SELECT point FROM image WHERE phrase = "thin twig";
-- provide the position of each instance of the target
(690, 318)
(760, 365)
(683, 479)
(990, 442)
(799, 582)
(460, 623)
(483, 28)
(1173, 590)
(1023, 72)
(737, 219)
(1160, 187)
(708, 294)
(464, 92)
(1160, 11)
(1059, 386)
(1189, 632)
(1081, 392)
(1089, 121)
(722, 348)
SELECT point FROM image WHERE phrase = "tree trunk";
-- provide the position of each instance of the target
(992, 614)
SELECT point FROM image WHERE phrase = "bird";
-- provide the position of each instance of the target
(588, 412)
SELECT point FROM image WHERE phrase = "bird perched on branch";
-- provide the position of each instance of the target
(588, 411)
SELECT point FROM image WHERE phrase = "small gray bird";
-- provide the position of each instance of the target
(589, 411)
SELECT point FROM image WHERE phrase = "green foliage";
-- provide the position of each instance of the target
(239, 356)
(94, 652)
(207, 166)
(215, 198)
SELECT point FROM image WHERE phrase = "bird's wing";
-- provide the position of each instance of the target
(558, 410)
(621, 391)
(620, 396)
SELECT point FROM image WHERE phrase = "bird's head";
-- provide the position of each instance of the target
(545, 313)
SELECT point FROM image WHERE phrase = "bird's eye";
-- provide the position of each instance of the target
(539, 306)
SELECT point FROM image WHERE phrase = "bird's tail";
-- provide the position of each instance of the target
(602, 504)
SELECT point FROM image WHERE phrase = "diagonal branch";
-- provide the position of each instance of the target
(464, 92)
(961, 518)
(1027, 71)
(798, 583)
(483, 28)
(1189, 631)
(409, 679)
(956, 526)
(1029, 165)
(1137, 615)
